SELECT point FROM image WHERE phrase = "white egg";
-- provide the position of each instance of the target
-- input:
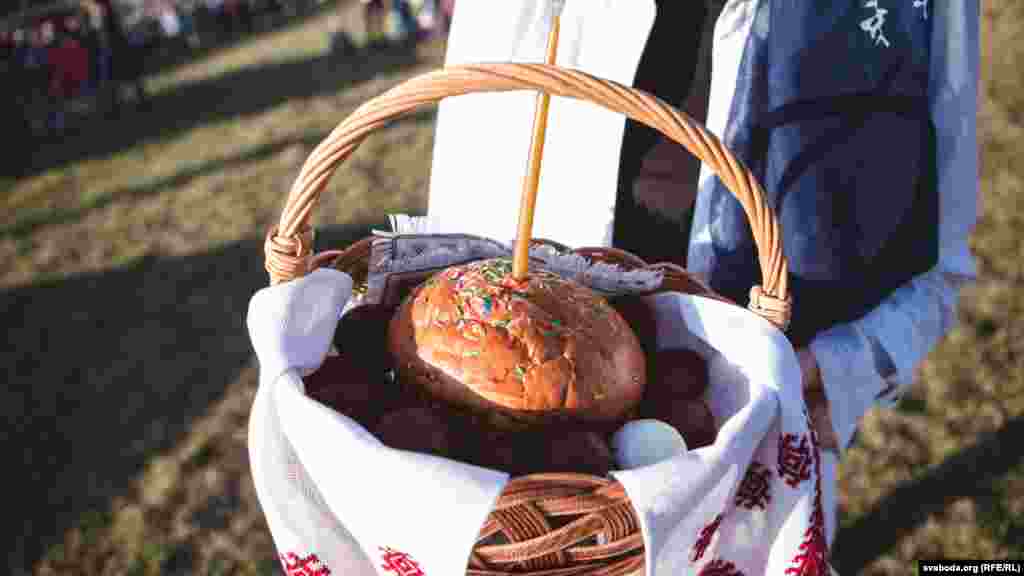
(644, 442)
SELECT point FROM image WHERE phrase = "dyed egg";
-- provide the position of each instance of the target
(640, 317)
(674, 376)
(420, 429)
(352, 389)
(578, 451)
(362, 334)
(696, 423)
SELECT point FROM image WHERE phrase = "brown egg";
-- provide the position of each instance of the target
(351, 388)
(675, 376)
(475, 441)
(640, 317)
(362, 333)
(695, 422)
(579, 451)
(417, 429)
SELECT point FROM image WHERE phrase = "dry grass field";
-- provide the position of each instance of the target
(135, 246)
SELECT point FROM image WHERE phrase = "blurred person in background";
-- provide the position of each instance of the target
(189, 29)
(37, 75)
(76, 42)
(237, 17)
(170, 41)
(873, 176)
(374, 19)
(91, 30)
(20, 78)
(130, 59)
(69, 69)
(166, 14)
(208, 19)
(431, 20)
(54, 77)
(13, 122)
(282, 8)
(409, 27)
(247, 15)
(447, 9)
(99, 16)
(6, 50)
(223, 16)
(113, 46)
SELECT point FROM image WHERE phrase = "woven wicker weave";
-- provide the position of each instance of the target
(543, 524)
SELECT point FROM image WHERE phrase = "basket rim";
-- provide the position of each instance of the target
(354, 261)
(287, 247)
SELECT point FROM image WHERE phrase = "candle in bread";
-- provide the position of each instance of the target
(521, 254)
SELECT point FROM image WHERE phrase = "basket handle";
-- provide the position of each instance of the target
(288, 246)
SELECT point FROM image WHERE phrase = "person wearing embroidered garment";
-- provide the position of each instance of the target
(859, 120)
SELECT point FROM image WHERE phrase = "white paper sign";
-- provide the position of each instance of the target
(482, 141)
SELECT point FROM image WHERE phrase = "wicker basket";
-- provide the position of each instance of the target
(553, 524)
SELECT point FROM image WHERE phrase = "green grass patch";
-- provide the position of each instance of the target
(92, 524)
(55, 553)
(995, 513)
(137, 568)
(49, 279)
(24, 246)
(913, 405)
(266, 567)
(6, 184)
(217, 567)
(150, 559)
(202, 456)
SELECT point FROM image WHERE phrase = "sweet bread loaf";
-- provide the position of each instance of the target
(539, 349)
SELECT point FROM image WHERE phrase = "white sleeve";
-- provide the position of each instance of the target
(872, 360)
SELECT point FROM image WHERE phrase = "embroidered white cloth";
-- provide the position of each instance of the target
(337, 499)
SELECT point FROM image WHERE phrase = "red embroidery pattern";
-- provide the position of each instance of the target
(294, 565)
(795, 459)
(294, 472)
(755, 489)
(719, 567)
(811, 560)
(399, 562)
(704, 538)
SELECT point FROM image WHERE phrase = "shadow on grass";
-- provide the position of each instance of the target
(104, 370)
(233, 95)
(29, 221)
(214, 41)
(973, 472)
